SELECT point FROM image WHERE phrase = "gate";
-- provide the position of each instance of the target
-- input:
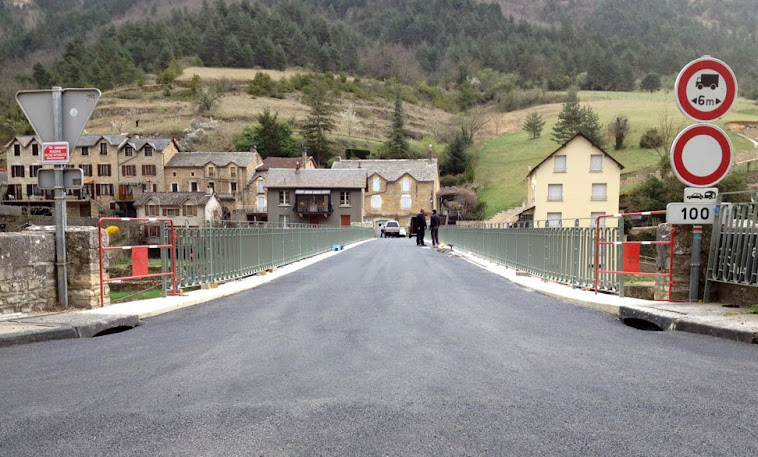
(732, 257)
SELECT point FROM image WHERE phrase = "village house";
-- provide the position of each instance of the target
(397, 188)
(256, 210)
(579, 180)
(193, 209)
(222, 173)
(315, 196)
(140, 168)
(96, 155)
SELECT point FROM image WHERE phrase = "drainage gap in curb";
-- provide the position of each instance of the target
(112, 330)
(641, 324)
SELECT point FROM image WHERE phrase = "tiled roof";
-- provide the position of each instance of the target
(569, 141)
(173, 198)
(220, 159)
(280, 162)
(393, 169)
(318, 178)
(159, 144)
(91, 140)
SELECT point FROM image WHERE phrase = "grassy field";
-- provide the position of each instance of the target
(118, 296)
(502, 162)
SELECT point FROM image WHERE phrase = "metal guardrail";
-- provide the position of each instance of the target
(216, 254)
(562, 254)
(733, 256)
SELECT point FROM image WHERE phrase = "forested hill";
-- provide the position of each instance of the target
(598, 44)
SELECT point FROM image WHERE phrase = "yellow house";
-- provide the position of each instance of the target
(579, 180)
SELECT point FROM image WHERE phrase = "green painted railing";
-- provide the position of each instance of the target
(216, 254)
(561, 254)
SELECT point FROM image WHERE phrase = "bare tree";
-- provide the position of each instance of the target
(473, 121)
(668, 128)
(207, 98)
(348, 115)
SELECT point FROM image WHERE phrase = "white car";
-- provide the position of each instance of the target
(391, 228)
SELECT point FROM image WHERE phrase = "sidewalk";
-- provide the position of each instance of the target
(706, 319)
(20, 328)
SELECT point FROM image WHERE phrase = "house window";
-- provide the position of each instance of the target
(104, 189)
(148, 170)
(233, 172)
(151, 210)
(406, 184)
(596, 162)
(17, 171)
(260, 186)
(170, 211)
(284, 219)
(560, 164)
(128, 151)
(554, 219)
(344, 198)
(405, 202)
(600, 191)
(35, 149)
(211, 172)
(174, 187)
(284, 197)
(129, 170)
(376, 201)
(33, 190)
(189, 210)
(155, 187)
(233, 187)
(33, 170)
(594, 219)
(103, 149)
(555, 192)
(377, 184)
(212, 186)
(85, 151)
(17, 150)
(261, 204)
(193, 186)
(87, 170)
(104, 169)
(148, 151)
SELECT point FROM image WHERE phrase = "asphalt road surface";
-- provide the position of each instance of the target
(386, 350)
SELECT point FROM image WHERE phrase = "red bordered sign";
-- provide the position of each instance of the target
(701, 155)
(55, 152)
(706, 89)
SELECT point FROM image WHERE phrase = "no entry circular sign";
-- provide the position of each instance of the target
(706, 89)
(701, 155)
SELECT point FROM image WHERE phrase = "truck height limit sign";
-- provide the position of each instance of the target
(706, 89)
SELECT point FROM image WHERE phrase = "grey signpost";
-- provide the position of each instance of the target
(59, 115)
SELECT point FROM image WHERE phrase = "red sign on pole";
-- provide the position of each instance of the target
(701, 155)
(706, 89)
(55, 153)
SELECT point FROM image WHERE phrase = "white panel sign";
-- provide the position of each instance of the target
(690, 213)
(700, 195)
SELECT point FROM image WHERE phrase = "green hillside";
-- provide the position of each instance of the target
(502, 163)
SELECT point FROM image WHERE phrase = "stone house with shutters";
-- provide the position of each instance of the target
(97, 155)
(396, 188)
(194, 209)
(140, 169)
(256, 185)
(223, 173)
(315, 196)
(579, 180)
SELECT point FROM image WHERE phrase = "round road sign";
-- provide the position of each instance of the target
(701, 155)
(705, 89)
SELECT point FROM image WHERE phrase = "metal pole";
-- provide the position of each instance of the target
(697, 236)
(60, 204)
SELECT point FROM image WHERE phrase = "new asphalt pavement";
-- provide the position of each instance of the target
(389, 350)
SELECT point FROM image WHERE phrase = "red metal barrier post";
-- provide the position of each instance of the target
(134, 275)
(599, 243)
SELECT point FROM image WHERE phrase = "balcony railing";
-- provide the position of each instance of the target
(254, 209)
(314, 209)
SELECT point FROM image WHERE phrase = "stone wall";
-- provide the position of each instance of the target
(28, 278)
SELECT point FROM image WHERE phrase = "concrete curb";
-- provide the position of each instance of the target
(88, 323)
(624, 308)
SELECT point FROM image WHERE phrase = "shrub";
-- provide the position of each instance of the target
(651, 139)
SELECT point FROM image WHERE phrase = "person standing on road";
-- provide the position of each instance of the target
(434, 225)
(420, 228)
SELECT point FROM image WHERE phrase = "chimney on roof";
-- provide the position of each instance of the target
(359, 164)
(297, 167)
(255, 150)
(305, 157)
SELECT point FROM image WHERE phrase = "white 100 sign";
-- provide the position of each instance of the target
(689, 213)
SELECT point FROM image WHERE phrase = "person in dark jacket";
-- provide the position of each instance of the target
(420, 228)
(434, 224)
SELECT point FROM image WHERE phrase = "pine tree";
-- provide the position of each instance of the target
(456, 158)
(577, 119)
(397, 143)
(533, 124)
(319, 120)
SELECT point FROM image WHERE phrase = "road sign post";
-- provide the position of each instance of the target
(58, 116)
